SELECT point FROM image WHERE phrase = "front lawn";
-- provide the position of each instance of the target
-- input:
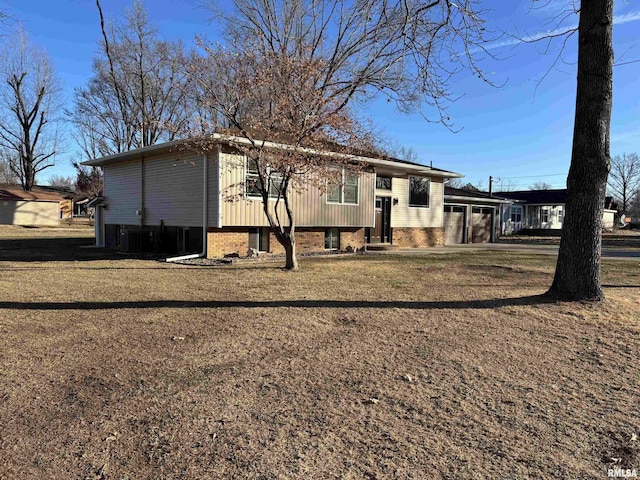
(449, 366)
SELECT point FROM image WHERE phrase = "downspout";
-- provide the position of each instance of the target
(205, 208)
(142, 193)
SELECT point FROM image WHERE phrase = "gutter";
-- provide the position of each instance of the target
(476, 199)
(205, 210)
(222, 138)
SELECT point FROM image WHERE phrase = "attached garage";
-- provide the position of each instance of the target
(481, 221)
(454, 223)
(469, 216)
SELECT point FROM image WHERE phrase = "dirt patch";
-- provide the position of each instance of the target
(355, 367)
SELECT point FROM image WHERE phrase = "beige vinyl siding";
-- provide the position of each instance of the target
(173, 191)
(310, 208)
(122, 192)
(29, 213)
(402, 215)
(173, 188)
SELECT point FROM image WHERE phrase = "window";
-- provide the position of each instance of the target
(454, 209)
(482, 210)
(383, 183)
(345, 192)
(560, 219)
(252, 180)
(259, 238)
(331, 239)
(350, 188)
(253, 185)
(419, 191)
(516, 213)
(544, 214)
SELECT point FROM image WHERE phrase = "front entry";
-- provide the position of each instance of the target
(381, 232)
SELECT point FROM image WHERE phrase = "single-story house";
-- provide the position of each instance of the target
(541, 212)
(471, 216)
(167, 198)
(42, 206)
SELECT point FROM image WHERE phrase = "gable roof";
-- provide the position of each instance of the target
(543, 197)
(451, 193)
(16, 193)
(384, 162)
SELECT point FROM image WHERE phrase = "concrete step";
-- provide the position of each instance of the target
(380, 247)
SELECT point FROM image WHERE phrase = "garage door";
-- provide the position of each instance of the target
(453, 224)
(481, 222)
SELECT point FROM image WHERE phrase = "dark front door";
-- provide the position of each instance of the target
(381, 231)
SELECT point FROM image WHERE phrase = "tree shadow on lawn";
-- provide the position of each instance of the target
(56, 250)
(435, 305)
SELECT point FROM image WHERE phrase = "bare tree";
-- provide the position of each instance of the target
(295, 70)
(29, 103)
(634, 206)
(407, 50)
(577, 275)
(89, 180)
(270, 97)
(138, 94)
(61, 181)
(455, 183)
(6, 174)
(505, 185)
(624, 178)
(540, 186)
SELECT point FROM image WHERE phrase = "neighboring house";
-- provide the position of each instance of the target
(610, 217)
(162, 197)
(471, 216)
(42, 206)
(540, 212)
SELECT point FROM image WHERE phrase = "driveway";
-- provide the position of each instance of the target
(609, 252)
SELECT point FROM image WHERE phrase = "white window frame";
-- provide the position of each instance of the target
(428, 205)
(343, 176)
(258, 196)
(543, 211)
(329, 232)
(516, 210)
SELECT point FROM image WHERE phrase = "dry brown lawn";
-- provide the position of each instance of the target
(355, 367)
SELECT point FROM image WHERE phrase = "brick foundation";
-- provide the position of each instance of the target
(352, 238)
(418, 237)
(221, 242)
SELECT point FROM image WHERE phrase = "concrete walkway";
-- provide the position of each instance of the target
(632, 254)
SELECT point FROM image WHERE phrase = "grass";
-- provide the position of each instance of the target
(355, 367)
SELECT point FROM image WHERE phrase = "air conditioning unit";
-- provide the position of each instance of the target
(131, 241)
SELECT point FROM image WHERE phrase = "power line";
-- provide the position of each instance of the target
(537, 176)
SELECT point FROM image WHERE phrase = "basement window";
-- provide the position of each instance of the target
(331, 239)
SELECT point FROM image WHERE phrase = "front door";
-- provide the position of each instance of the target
(381, 231)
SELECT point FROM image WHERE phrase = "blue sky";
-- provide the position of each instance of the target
(515, 133)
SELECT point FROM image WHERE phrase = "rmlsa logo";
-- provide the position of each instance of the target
(622, 473)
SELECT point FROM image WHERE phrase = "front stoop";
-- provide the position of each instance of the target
(380, 247)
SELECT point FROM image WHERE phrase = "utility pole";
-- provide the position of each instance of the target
(490, 186)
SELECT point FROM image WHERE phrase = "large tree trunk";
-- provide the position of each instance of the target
(291, 261)
(578, 268)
